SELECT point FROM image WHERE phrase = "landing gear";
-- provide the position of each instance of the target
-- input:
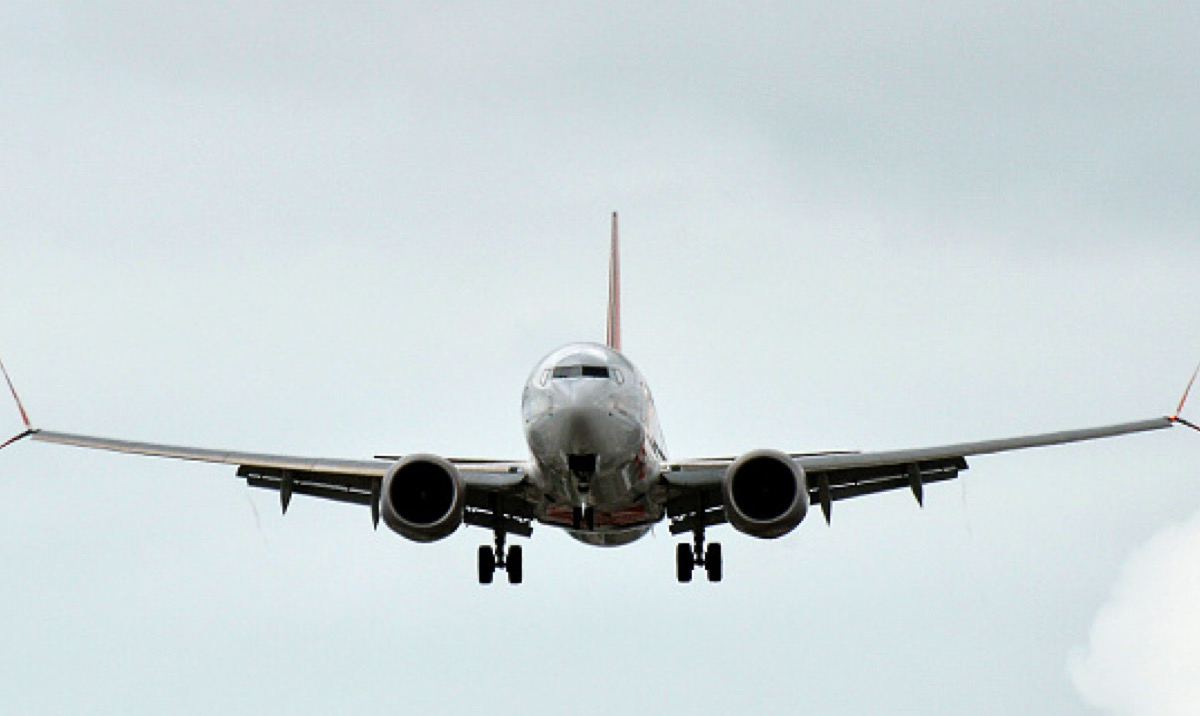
(514, 565)
(712, 562)
(493, 558)
(688, 557)
(583, 518)
(487, 564)
(684, 562)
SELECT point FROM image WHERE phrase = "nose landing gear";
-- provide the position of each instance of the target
(583, 518)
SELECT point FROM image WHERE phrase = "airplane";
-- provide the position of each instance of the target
(598, 468)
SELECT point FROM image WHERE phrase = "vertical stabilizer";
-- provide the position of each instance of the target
(614, 291)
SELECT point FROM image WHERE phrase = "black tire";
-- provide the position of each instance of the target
(487, 564)
(685, 562)
(712, 562)
(514, 565)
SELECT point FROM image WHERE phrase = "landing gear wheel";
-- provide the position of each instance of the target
(712, 562)
(487, 564)
(514, 565)
(684, 562)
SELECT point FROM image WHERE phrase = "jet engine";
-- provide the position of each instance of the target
(423, 498)
(765, 494)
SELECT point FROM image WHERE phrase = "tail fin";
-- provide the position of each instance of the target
(614, 291)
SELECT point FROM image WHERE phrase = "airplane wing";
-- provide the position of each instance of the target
(694, 487)
(340, 480)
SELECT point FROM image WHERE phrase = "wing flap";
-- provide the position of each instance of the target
(354, 489)
(844, 484)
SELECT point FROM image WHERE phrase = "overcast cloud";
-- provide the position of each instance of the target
(349, 230)
(1143, 652)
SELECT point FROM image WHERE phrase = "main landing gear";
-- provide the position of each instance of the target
(688, 557)
(493, 558)
(503, 515)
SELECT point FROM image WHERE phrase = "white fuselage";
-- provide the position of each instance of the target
(594, 437)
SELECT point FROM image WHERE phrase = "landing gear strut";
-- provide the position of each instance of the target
(493, 558)
(688, 557)
(583, 518)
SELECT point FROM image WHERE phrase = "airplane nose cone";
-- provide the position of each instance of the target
(585, 412)
(583, 419)
(580, 394)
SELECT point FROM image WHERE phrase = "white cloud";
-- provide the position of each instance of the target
(1143, 653)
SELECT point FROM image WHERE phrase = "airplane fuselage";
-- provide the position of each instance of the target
(595, 443)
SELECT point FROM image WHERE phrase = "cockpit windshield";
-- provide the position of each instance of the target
(581, 371)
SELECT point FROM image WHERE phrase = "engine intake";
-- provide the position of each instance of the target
(423, 498)
(765, 494)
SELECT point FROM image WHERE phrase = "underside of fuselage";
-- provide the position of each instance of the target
(609, 538)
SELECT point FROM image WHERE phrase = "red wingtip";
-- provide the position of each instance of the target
(24, 434)
(13, 390)
(1188, 389)
(614, 291)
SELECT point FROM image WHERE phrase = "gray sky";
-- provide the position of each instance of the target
(301, 228)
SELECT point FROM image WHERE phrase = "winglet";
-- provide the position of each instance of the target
(1183, 401)
(29, 429)
(614, 291)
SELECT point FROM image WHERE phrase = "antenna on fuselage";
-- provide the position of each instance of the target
(613, 338)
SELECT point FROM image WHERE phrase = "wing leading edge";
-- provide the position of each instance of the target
(337, 479)
(694, 487)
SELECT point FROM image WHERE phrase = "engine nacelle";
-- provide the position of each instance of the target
(765, 494)
(423, 498)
